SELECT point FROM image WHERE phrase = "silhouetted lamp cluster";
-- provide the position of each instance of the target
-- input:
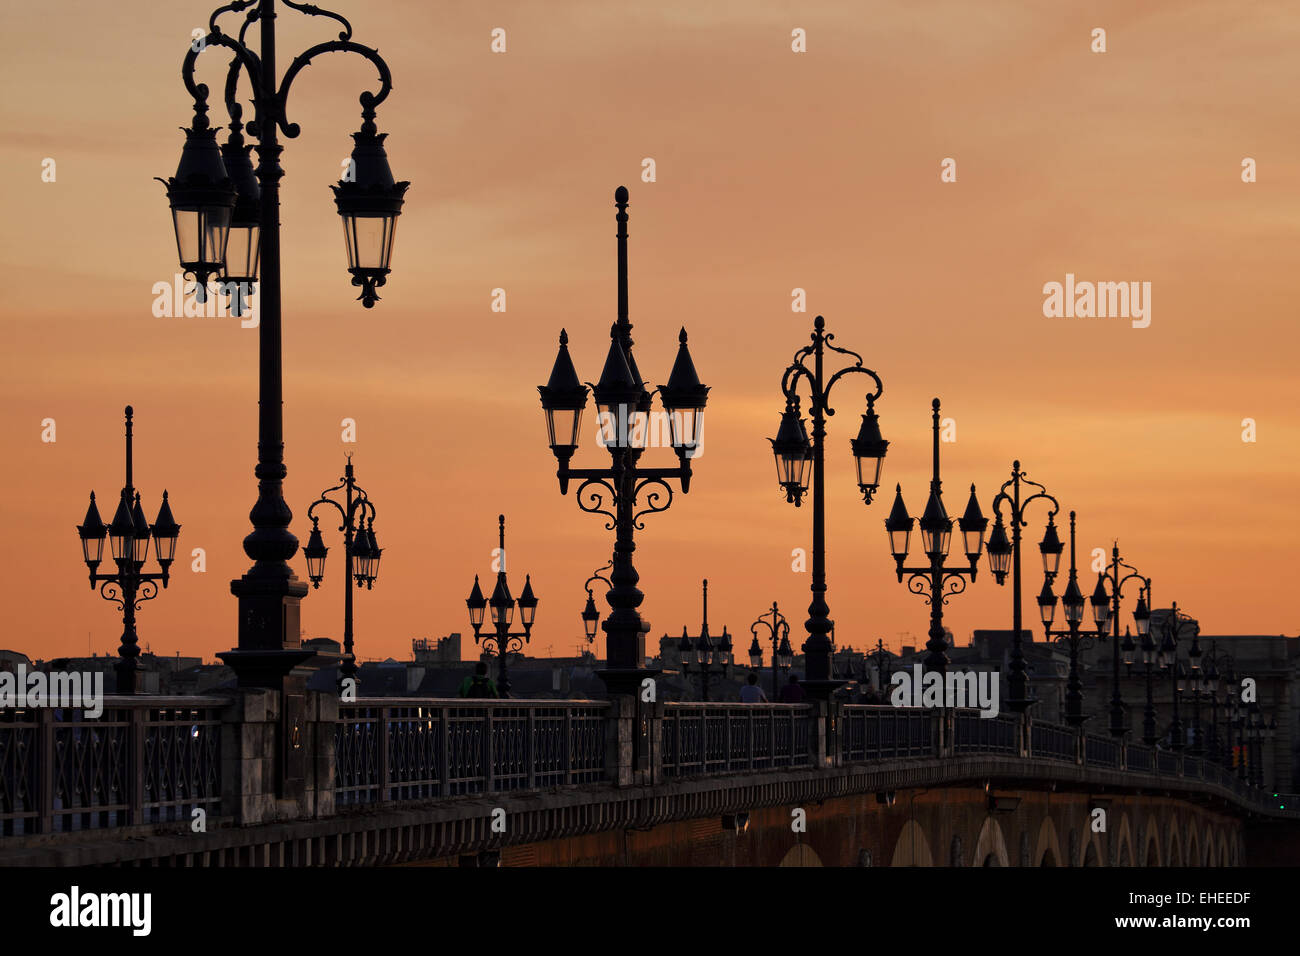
(502, 606)
(217, 210)
(128, 539)
(794, 453)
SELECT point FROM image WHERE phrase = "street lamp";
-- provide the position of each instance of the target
(794, 453)
(1072, 602)
(881, 658)
(699, 656)
(778, 631)
(625, 486)
(360, 549)
(1174, 625)
(936, 530)
(128, 536)
(1003, 552)
(591, 616)
(1217, 669)
(502, 606)
(226, 228)
(1116, 580)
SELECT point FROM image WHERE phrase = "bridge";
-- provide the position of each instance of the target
(265, 778)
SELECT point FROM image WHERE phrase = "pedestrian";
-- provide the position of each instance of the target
(478, 684)
(792, 692)
(751, 693)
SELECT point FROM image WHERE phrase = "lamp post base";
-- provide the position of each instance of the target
(264, 668)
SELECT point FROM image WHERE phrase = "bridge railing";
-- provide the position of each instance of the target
(395, 749)
(1099, 751)
(702, 738)
(142, 760)
(1053, 740)
(972, 733)
(873, 732)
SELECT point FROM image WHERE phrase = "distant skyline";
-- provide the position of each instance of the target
(775, 171)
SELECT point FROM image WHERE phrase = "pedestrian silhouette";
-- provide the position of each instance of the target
(478, 684)
(792, 692)
(751, 693)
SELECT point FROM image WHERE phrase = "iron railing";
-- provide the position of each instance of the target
(153, 760)
(973, 733)
(700, 738)
(1141, 758)
(394, 749)
(1052, 740)
(1100, 751)
(142, 760)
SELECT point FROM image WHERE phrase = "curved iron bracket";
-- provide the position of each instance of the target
(595, 503)
(652, 499)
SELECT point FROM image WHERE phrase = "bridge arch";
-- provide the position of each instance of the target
(1124, 851)
(1048, 852)
(912, 848)
(1174, 853)
(1150, 846)
(1223, 850)
(991, 847)
(1207, 841)
(1090, 853)
(801, 854)
(1193, 845)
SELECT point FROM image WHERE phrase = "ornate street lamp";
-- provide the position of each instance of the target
(625, 490)
(591, 616)
(502, 606)
(128, 537)
(1114, 577)
(778, 631)
(228, 225)
(360, 549)
(936, 530)
(1072, 602)
(794, 453)
(1003, 553)
(700, 655)
(1218, 668)
(1174, 625)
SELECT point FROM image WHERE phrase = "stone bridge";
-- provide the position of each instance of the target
(262, 778)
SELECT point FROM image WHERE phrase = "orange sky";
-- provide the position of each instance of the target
(775, 170)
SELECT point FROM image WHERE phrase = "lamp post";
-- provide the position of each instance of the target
(1174, 625)
(881, 658)
(1234, 718)
(1001, 552)
(699, 656)
(778, 630)
(227, 224)
(1218, 666)
(794, 453)
(629, 488)
(936, 530)
(591, 616)
(128, 538)
(360, 549)
(1116, 579)
(505, 641)
(1073, 603)
(1149, 657)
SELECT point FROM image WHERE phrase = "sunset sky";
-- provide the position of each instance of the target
(775, 170)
